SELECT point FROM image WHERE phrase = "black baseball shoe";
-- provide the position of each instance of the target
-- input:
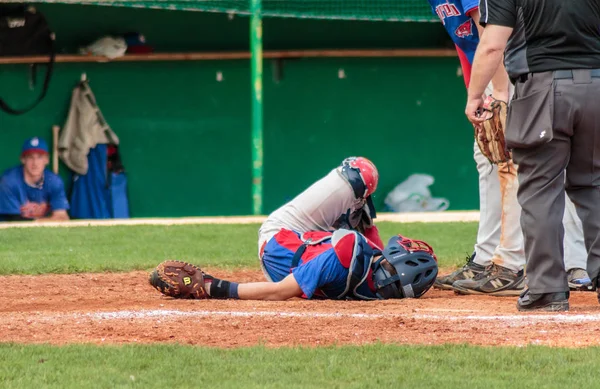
(468, 271)
(550, 302)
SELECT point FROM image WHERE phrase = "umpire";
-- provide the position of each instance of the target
(552, 54)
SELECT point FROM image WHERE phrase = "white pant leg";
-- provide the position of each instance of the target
(510, 252)
(488, 233)
(499, 238)
(574, 244)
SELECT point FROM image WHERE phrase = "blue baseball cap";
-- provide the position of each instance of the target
(33, 145)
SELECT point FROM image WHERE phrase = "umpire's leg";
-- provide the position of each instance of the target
(541, 175)
(542, 199)
(580, 96)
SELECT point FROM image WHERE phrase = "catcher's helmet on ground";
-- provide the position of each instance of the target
(406, 269)
(361, 174)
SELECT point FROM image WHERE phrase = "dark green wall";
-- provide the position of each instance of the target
(185, 136)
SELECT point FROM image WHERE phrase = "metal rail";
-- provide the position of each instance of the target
(236, 55)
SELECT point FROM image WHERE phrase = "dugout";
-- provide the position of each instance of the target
(337, 81)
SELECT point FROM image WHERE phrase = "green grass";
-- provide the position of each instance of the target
(376, 366)
(125, 248)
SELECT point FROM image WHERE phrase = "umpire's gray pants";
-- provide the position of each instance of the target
(554, 124)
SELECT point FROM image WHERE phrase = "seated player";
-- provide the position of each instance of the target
(30, 191)
(339, 265)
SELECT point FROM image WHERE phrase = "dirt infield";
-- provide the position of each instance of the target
(123, 308)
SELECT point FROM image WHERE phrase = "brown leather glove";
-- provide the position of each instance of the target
(490, 134)
(179, 279)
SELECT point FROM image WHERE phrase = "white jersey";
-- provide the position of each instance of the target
(318, 208)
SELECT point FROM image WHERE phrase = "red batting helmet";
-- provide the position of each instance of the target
(368, 174)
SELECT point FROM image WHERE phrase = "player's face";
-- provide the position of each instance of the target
(35, 163)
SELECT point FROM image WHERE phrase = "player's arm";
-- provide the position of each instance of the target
(58, 215)
(487, 59)
(58, 202)
(304, 280)
(10, 203)
(177, 279)
(274, 291)
(500, 79)
(499, 18)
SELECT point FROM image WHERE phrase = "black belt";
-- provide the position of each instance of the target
(558, 75)
(568, 74)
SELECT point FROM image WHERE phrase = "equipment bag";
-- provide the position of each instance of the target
(25, 32)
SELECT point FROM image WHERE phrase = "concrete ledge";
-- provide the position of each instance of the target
(424, 217)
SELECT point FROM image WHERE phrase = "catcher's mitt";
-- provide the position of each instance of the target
(490, 134)
(179, 279)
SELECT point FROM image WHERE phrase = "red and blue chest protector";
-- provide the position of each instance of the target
(335, 265)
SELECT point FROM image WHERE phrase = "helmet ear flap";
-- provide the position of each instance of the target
(377, 263)
(386, 279)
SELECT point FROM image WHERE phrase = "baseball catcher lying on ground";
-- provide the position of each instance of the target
(323, 265)
(303, 256)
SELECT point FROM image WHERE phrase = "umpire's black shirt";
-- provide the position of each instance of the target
(547, 34)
